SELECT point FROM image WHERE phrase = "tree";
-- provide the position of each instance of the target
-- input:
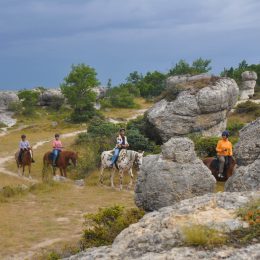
(109, 83)
(134, 78)
(78, 89)
(198, 66)
(29, 99)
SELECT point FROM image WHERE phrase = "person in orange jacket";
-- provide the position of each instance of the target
(224, 149)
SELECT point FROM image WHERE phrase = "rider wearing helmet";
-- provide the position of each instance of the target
(24, 146)
(224, 149)
(121, 143)
(57, 146)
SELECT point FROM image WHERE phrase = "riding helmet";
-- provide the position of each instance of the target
(122, 129)
(57, 135)
(225, 133)
(23, 136)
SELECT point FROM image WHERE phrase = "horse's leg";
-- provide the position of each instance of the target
(65, 172)
(101, 177)
(53, 171)
(29, 167)
(61, 173)
(131, 178)
(121, 173)
(23, 170)
(112, 178)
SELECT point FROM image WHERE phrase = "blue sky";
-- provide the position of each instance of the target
(40, 39)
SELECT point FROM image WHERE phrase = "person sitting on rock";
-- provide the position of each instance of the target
(224, 149)
(24, 145)
(121, 143)
(57, 147)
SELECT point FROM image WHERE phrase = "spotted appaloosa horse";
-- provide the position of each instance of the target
(62, 163)
(26, 160)
(212, 164)
(125, 162)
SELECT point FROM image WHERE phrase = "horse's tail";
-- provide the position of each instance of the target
(45, 168)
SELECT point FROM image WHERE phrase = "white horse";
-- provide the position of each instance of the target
(125, 162)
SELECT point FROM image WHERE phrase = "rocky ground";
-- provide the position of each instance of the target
(159, 235)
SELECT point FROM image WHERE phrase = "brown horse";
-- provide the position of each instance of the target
(212, 164)
(26, 160)
(62, 163)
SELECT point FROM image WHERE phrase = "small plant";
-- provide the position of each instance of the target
(249, 108)
(200, 235)
(251, 213)
(103, 227)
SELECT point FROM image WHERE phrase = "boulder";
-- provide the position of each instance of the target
(200, 106)
(159, 234)
(247, 152)
(6, 98)
(247, 88)
(51, 97)
(100, 91)
(171, 176)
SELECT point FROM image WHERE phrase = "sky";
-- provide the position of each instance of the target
(41, 39)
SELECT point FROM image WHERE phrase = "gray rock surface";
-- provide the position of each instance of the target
(247, 152)
(51, 96)
(195, 109)
(247, 88)
(6, 98)
(171, 176)
(158, 235)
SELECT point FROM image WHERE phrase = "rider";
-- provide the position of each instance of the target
(57, 146)
(224, 149)
(121, 143)
(24, 145)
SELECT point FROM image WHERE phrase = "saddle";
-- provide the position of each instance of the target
(52, 155)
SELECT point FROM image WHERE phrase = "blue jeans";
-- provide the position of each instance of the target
(55, 155)
(115, 156)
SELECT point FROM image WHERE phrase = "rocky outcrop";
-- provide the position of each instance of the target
(159, 234)
(201, 106)
(51, 97)
(247, 88)
(171, 176)
(247, 152)
(6, 98)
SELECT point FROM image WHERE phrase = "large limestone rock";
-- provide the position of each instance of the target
(174, 175)
(201, 107)
(51, 97)
(247, 88)
(158, 235)
(247, 152)
(6, 98)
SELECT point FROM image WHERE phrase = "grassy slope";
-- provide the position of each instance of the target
(50, 213)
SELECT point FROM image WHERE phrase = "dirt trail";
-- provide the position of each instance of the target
(8, 158)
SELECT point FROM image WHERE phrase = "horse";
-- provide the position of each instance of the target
(62, 162)
(26, 160)
(212, 164)
(124, 163)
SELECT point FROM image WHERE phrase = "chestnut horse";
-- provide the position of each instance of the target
(62, 162)
(212, 164)
(26, 160)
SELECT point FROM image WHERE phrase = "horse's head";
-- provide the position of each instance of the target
(139, 159)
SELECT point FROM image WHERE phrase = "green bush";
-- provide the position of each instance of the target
(249, 108)
(29, 100)
(15, 107)
(103, 227)
(234, 127)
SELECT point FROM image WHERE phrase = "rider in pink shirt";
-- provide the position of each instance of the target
(57, 147)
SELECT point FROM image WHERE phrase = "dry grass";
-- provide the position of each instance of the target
(200, 235)
(124, 113)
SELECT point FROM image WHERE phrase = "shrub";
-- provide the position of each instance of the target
(250, 212)
(200, 235)
(103, 227)
(249, 108)
(29, 100)
(234, 126)
(15, 107)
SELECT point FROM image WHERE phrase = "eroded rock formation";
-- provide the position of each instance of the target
(247, 88)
